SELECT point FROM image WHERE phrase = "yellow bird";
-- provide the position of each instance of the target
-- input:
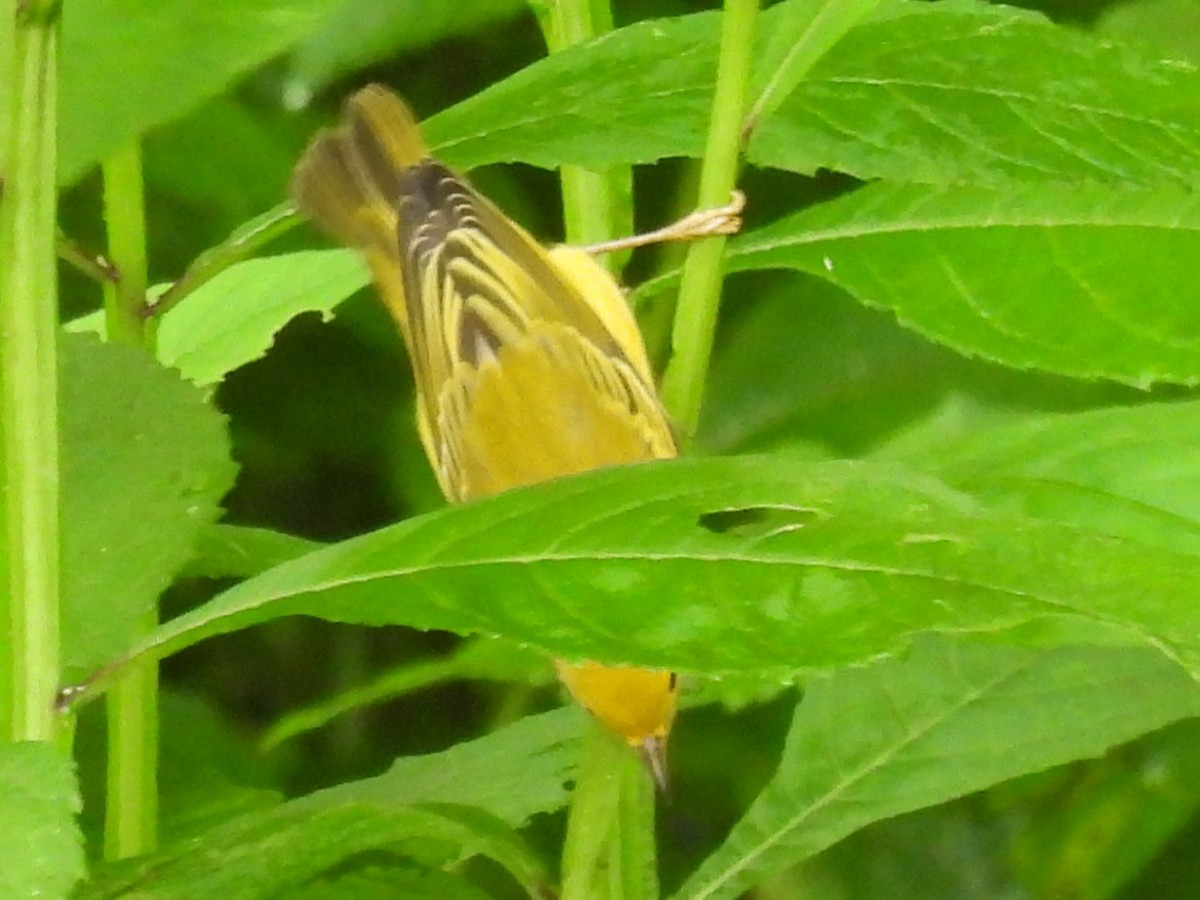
(528, 362)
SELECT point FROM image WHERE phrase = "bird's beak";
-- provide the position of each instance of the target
(654, 754)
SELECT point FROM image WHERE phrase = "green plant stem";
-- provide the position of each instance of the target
(597, 203)
(125, 224)
(131, 799)
(609, 853)
(605, 819)
(86, 263)
(700, 285)
(29, 374)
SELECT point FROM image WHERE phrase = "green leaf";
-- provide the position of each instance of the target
(799, 36)
(145, 463)
(269, 855)
(950, 719)
(512, 774)
(947, 93)
(233, 319)
(1090, 283)
(207, 771)
(967, 93)
(638, 94)
(750, 565)
(362, 33)
(227, 551)
(1127, 471)
(129, 65)
(806, 363)
(438, 808)
(387, 882)
(1171, 27)
(39, 799)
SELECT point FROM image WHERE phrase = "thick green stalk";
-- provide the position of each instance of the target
(597, 203)
(609, 851)
(131, 798)
(125, 224)
(29, 372)
(131, 795)
(700, 286)
(606, 824)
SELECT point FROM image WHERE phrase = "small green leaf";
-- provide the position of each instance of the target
(233, 319)
(638, 94)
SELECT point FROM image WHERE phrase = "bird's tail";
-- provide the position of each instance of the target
(348, 183)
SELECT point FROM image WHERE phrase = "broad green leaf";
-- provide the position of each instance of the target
(806, 362)
(950, 719)
(39, 799)
(1132, 471)
(746, 565)
(269, 855)
(1091, 283)
(361, 33)
(965, 93)
(1170, 26)
(233, 319)
(466, 798)
(800, 34)
(805, 368)
(129, 65)
(944, 93)
(145, 462)
(637, 94)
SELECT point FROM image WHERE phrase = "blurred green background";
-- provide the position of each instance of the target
(324, 437)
